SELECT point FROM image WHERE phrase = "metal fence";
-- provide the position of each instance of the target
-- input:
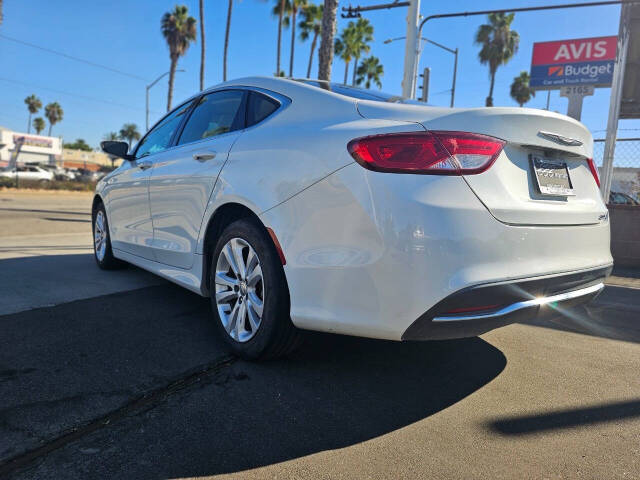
(626, 168)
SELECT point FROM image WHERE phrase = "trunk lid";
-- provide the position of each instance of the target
(509, 189)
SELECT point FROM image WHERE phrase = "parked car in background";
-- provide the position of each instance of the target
(28, 172)
(619, 198)
(59, 173)
(84, 175)
(308, 205)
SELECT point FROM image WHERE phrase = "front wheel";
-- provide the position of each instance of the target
(102, 241)
(249, 293)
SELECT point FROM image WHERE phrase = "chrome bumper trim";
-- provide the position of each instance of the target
(536, 302)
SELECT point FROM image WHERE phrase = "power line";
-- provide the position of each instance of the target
(71, 57)
(84, 97)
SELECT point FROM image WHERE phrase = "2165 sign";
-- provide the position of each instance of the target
(585, 61)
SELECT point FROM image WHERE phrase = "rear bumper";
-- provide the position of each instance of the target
(368, 253)
(458, 315)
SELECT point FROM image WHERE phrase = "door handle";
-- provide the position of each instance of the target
(202, 156)
(144, 165)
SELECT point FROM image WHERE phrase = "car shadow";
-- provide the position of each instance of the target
(335, 392)
(74, 363)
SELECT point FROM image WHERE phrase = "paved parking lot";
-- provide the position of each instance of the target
(122, 375)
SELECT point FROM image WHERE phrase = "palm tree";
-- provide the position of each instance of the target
(179, 30)
(202, 45)
(129, 132)
(38, 124)
(328, 33)
(289, 10)
(521, 92)
(33, 105)
(346, 46)
(311, 24)
(226, 41)
(363, 35)
(112, 136)
(54, 113)
(280, 6)
(370, 70)
(499, 44)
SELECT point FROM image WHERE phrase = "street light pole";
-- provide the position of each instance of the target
(147, 96)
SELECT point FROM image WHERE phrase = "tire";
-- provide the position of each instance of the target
(102, 251)
(251, 285)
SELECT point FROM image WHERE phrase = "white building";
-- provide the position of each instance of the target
(35, 148)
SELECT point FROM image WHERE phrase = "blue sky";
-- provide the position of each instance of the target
(125, 35)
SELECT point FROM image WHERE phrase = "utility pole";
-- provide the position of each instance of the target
(411, 48)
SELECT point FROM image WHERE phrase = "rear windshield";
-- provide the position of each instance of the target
(359, 93)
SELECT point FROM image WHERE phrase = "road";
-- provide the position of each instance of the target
(122, 375)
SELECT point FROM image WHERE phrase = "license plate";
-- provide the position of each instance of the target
(552, 176)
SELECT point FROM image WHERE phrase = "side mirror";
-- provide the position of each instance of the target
(117, 149)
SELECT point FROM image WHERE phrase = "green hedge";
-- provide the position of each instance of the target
(7, 182)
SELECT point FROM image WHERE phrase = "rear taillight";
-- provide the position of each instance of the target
(594, 171)
(435, 153)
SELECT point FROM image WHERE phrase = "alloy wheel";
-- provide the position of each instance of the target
(100, 236)
(239, 289)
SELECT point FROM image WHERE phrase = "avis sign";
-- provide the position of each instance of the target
(585, 61)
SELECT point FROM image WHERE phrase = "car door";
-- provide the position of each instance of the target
(127, 195)
(182, 181)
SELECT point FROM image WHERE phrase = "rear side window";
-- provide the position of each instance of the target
(259, 107)
(215, 114)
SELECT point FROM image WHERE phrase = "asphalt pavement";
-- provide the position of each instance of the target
(122, 375)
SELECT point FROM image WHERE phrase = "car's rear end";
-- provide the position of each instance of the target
(502, 209)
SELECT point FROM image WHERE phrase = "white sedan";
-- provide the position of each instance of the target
(28, 172)
(310, 205)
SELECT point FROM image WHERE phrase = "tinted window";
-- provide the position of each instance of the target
(215, 114)
(259, 107)
(159, 138)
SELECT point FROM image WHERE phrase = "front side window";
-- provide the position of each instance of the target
(159, 138)
(215, 114)
(259, 107)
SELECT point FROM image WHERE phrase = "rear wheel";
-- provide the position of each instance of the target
(102, 241)
(249, 293)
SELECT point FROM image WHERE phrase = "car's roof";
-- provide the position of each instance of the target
(292, 87)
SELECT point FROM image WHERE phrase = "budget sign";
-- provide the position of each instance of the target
(585, 61)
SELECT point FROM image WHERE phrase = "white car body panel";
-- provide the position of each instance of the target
(179, 191)
(366, 253)
(127, 202)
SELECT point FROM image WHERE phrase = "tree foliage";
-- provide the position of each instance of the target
(54, 113)
(179, 30)
(79, 144)
(370, 71)
(521, 92)
(498, 45)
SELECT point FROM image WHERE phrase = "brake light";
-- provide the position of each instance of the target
(431, 153)
(594, 171)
